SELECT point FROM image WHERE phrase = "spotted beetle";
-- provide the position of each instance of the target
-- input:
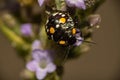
(61, 28)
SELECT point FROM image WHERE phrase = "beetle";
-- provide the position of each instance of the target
(61, 28)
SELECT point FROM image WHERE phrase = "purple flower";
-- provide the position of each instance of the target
(41, 2)
(71, 3)
(26, 29)
(41, 64)
(79, 39)
(76, 3)
(36, 45)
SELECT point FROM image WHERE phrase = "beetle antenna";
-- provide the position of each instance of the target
(88, 41)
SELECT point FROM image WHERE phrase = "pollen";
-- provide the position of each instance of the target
(62, 20)
(62, 42)
(52, 30)
(74, 31)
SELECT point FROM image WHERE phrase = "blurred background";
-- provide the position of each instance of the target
(102, 62)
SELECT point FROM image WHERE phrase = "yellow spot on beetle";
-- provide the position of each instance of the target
(74, 31)
(52, 30)
(62, 20)
(62, 42)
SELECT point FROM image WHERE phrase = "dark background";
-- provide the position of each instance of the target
(102, 62)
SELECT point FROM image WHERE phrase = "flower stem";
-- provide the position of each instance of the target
(60, 5)
(43, 36)
(16, 40)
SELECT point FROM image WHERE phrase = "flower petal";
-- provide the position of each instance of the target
(41, 2)
(26, 29)
(51, 67)
(38, 54)
(77, 3)
(79, 41)
(36, 45)
(41, 73)
(80, 4)
(32, 65)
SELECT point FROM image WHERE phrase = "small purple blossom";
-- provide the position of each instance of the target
(76, 3)
(41, 64)
(41, 2)
(79, 39)
(26, 29)
(71, 3)
(36, 45)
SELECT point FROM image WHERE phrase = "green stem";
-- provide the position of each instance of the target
(56, 76)
(43, 36)
(16, 40)
(10, 21)
(53, 76)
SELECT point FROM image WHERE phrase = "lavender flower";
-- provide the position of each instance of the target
(71, 3)
(41, 64)
(41, 2)
(26, 29)
(79, 39)
(76, 3)
(36, 45)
